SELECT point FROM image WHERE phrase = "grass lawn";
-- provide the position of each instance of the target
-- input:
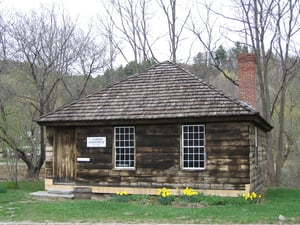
(17, 205)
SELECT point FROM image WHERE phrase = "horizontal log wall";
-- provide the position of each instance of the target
(227, 146)
(49, 152)
(158, 158)
(258, 160)
(98, 169)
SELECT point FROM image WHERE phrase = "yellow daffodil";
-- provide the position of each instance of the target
(252, 197)
(164, 192)
(189, 192)
(122, 193)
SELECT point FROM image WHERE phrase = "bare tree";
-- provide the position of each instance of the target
(269, 28)
(11, 136)
(91, 60)
(9, 128)
(288, 26)
(174, 35)
(46, 49)
(129, 18)
(256, 18)
(277, 22)
(107, 31)
(206, 34)
(4, 42)
(42, 43)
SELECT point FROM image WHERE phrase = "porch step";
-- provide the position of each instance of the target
(60, 192)
(53, 194)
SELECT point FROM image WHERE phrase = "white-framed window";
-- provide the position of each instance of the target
(193, 146)
(124, 143)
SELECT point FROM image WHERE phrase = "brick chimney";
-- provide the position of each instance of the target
(247, 78)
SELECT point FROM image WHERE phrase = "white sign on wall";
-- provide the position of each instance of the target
(93, 142)
(81, 159)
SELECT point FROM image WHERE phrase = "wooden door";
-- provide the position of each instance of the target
(64, 155)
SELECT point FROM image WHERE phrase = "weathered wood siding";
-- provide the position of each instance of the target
(49, 152)
(64, 159)
(158, 158)
(227, 146)
(98, 169)
(61, 154)
(258, 160)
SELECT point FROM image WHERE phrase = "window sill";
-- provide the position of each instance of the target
(193, 169)
(124, 168)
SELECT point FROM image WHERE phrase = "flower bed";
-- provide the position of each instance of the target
(188, 198)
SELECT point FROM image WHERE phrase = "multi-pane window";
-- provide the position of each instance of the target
(193, 146)
(124, 147)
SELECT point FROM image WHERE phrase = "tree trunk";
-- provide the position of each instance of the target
(270, 162)
(173, 29)
(33, 172)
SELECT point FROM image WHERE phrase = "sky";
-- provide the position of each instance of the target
(75, 6)
(84, 9)
(86, 12)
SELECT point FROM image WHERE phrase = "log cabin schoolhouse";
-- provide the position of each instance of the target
(163, 127)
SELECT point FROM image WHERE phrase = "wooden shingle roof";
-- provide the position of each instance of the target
(163, 91)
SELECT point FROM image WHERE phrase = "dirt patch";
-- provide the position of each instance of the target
(188, 205)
